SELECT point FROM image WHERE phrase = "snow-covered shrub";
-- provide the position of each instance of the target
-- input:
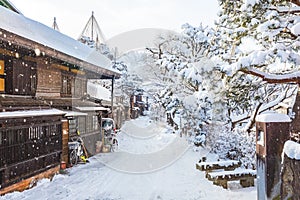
(156, 113)
(236, 144)
(200, 139)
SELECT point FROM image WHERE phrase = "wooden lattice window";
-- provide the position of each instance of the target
(67, 86)
(95, 123)
(82, 124)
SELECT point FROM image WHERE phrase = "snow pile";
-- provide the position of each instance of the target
(292, 149)
(272, 116)
(223, 163)
(236, 172)
(97, 91)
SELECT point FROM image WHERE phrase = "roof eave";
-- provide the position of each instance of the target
(15, 39)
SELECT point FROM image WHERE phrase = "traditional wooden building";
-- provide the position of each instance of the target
(43, 96)
(137, 104)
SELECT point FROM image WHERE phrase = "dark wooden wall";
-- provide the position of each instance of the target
(269, 156)
(28, 146)
(49, 80)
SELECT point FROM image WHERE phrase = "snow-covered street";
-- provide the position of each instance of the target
(152, 163)
(174, 100)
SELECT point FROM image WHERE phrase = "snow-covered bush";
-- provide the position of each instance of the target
(236, 144)
(200, 139)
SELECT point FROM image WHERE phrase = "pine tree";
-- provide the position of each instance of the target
(257, 38)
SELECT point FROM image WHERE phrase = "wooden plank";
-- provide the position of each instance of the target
(221, 178)
(222, 183)
(1, 67)
(65, 140)
(2, 85)
(30, 182)
(231, 175)
(76, 71)
(247, 182)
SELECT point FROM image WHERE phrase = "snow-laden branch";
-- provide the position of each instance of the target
(251, 122)
(293, 77)
(280, 98)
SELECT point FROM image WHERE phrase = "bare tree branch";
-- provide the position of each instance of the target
(268, 106)
(274, 78)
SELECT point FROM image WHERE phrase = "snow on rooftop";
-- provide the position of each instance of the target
(292, 149)
(98, 92)
(40, 33)
(272, 116)
(31, 113)
(74, 113)
(90, 109)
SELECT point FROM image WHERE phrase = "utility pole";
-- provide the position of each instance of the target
(92, 25)
(54, 25)
(112, 96)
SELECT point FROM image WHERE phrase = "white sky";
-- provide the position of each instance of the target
(118, 16)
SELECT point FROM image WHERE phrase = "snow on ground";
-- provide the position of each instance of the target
(96, 180)
(142, 136)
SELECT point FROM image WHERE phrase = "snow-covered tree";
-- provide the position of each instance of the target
(268, 28)
(193, 86)
(258, 38)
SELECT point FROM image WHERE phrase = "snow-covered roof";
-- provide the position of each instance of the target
(90, 109)
(292, 149)
(74, 113)
(98, 92)
(272, 116)
(31, 113)
(42, 34)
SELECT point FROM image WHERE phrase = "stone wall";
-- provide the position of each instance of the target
(290, 178)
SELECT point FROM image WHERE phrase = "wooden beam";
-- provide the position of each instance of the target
(296, 2)
(29, 182)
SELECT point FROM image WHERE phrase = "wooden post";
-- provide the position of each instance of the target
(65, 140)
(112, 96)
(272, 130)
